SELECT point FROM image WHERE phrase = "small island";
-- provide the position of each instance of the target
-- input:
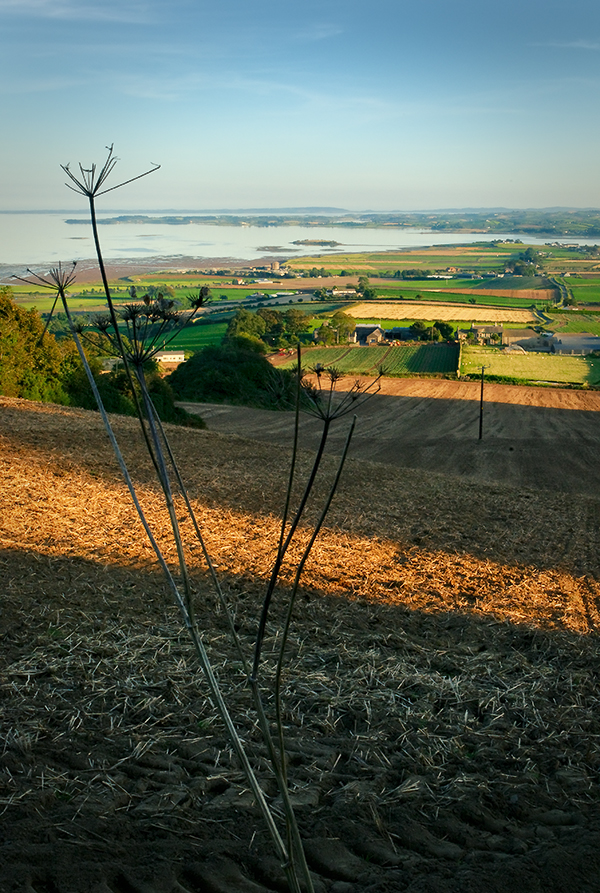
(323, 243)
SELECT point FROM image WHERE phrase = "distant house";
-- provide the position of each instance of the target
(365, 335)
(481, 334)
(170, 357)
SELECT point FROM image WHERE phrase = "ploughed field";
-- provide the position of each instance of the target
(441, 697)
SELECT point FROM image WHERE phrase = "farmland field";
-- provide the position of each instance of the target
(452, 609)
(472, 297)
(198, 336)
(575, 321)
(586, 291)
(326, 356)
(406, 359)
(472, 313)
(362, 359)
(530, 366)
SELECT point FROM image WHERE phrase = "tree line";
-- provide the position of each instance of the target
(38, 365)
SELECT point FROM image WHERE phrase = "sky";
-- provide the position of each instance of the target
(378, 105)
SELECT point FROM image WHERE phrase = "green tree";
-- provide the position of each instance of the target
(295, 321)
(325, 334)
(273, 319)
(31, 362)
(246, 323)
(418, 330)
(344, 324)
(445, 329)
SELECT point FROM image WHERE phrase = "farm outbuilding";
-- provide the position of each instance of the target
(170, 357)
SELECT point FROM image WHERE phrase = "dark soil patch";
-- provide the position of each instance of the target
(441, 697)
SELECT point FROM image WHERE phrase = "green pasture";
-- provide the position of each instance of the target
(530, 366)
(585, 291)
(197, 336)
(478, 256)
(345, 359)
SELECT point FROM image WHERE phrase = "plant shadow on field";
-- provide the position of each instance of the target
(440, 700)
(407, 508)
(428, 750)
(534, 447)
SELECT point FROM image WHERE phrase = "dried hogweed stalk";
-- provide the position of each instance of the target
(135, 332)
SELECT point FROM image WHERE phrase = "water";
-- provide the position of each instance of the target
(34, 239)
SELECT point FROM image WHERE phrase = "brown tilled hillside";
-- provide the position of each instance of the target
(441, 695)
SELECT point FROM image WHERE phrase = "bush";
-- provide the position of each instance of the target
(117, 398)
(233, 373)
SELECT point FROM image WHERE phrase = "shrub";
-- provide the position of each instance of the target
(233, 373)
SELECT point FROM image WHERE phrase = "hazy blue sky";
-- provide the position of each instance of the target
(382, 104)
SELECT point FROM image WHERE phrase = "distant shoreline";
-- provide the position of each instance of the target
(88, 272)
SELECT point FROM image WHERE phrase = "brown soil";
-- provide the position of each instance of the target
(441, 701)
(533, 437)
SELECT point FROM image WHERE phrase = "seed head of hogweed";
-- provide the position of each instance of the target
(56, 279)
(323, 400)
(89, 181)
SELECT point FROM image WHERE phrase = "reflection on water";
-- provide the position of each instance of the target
(31, 238)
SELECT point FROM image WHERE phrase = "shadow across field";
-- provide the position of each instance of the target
(428, 751)
(522, 446)
(57, 465)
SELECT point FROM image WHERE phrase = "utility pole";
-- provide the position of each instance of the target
(481, 406)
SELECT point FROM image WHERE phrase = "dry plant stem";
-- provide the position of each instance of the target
(49, 320)
(281, 553)
(288, 495)
(294, 841)
(289, 857)
(115, 322)
(193, 632)
(167, 491)
(299, 570)
(117, 450)
(293, 834)
(207, 558)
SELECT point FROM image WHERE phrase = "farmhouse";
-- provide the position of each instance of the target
(481, 334)
(342, 292)
(368, 334)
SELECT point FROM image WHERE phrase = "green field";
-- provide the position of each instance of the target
(574, 321)
(407, 359)
(585, 291)
(443, 296)
(419, 359)
(531, 366)
(194, 337)
(482, 258)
